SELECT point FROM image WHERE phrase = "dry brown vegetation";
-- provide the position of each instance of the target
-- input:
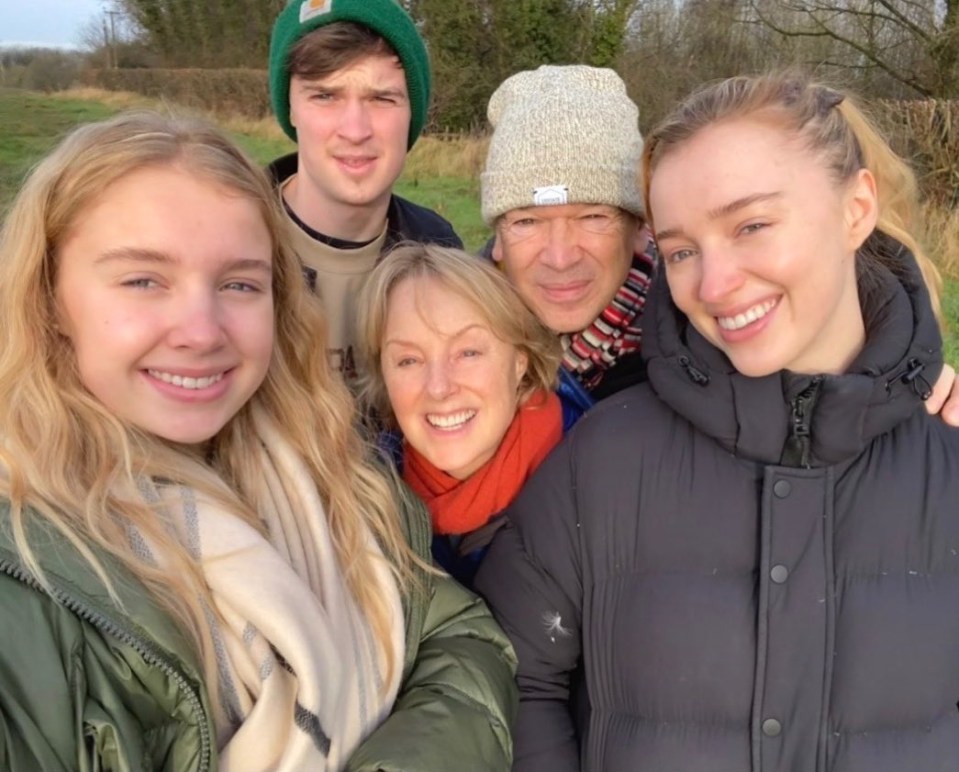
(448, 156)
(239, 91)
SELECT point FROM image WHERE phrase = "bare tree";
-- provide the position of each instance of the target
(912, 43)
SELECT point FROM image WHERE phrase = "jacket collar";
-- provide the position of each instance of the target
(751, 417)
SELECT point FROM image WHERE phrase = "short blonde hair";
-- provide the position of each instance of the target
(476, 281)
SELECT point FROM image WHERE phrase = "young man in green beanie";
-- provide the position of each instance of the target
(350, 83)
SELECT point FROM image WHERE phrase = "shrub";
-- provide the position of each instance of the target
(227, 91)
(926, 132)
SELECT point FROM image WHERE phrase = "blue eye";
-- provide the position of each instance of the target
(241, 286)
(141, 283)
(679, 255)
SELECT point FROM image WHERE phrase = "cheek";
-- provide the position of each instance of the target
(519, 265)
(683, 285)
(401, 394)
(507, 374)
(620, 260)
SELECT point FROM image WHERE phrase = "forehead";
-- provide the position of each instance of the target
(560, 211)
(385, 66)
(169, 209)
(731, 159)
(431, 300)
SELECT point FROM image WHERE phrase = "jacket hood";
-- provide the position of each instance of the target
(751, 417)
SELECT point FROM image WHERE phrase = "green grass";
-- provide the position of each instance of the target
(30, 125)
(262, 149)
(950, 310)
(455, 199)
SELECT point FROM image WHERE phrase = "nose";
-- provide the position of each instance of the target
(355, 121)
(439, 380)
(561, 250)
(196, 321)
(720, 275)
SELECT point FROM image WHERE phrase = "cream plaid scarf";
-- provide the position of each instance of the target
(300, 673)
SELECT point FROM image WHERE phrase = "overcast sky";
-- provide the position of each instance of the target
(47, 22)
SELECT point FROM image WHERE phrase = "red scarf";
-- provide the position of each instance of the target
(461, 506)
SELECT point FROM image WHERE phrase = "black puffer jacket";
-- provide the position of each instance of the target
(757, 573)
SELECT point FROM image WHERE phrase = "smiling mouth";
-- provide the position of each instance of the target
(746, 318)
(186, 382)
(451, 421)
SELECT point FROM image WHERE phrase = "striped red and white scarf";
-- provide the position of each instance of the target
(617, 331)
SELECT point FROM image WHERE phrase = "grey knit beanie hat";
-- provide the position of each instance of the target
(562, 135)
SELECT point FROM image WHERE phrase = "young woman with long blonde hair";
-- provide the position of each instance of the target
(200, 567)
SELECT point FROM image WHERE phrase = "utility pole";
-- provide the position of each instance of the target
(113, 36)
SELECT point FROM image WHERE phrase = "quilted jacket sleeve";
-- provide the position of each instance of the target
(457, 702)
(76, 698)
(532, 579)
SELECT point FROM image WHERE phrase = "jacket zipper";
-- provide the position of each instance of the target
(799, 445)
(138, 644)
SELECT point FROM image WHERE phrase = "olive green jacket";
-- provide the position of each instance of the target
(85, 685)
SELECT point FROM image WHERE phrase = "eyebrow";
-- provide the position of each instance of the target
(154, 256)
(723, 211)
(395, 93)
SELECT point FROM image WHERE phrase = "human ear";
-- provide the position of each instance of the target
(522, 362)
(861, 208)
(497, 251)
(641, 238)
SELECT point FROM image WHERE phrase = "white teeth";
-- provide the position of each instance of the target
(453, 421)
(186, 382)
(739, 321)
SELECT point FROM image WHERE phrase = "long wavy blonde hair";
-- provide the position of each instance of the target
(68, 461)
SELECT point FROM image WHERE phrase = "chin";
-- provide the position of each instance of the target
(564, 325)
(753, 369)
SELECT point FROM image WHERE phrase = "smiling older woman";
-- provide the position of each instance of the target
(466, 372)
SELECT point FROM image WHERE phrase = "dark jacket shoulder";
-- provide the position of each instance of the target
(406, 221)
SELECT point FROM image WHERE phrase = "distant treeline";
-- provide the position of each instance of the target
(888, 49)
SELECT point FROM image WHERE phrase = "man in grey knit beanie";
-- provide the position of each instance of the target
(561, 190)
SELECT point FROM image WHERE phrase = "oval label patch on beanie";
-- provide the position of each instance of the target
(551, 195)
(311, 8)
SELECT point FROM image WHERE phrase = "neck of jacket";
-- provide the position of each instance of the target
(804, 420)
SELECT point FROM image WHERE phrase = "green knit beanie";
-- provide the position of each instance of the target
(385, 17)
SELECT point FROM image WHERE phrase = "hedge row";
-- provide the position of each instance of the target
(230, 91)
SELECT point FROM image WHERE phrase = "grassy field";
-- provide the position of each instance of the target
(440, 174)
